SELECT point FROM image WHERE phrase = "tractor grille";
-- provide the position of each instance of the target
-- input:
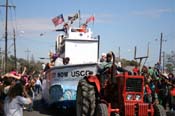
(134, 85)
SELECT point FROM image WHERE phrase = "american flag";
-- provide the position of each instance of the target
(91, 18)
(58, 20)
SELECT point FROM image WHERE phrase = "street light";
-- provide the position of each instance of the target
(42, 58)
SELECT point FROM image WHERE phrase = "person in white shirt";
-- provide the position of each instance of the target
(16, 98)
(37, 86)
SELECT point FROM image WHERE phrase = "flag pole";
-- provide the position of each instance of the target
(93, 20)
(79, 17)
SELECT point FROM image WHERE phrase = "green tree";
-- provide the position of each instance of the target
(31, 66)
(126, 62)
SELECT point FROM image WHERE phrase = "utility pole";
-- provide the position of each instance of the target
(6, 33)
(14, 38)
(27, 52)
(160, 53)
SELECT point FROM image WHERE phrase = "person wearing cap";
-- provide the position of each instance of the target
(107, 63)
(103, 57)
(104, 66)
(66, 60)
(83, 28)
(64, 29)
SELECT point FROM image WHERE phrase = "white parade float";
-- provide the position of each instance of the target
(60, 84)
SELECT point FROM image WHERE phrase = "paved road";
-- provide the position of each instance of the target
(46, 112)
(40, 109)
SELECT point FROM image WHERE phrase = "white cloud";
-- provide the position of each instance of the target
(153, 12)
(33, 28)
(30, 27)
(35, 24)
(106, 18)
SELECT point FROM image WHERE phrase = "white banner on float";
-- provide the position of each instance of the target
(70, 72)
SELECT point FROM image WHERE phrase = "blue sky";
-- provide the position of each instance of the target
(120, 23)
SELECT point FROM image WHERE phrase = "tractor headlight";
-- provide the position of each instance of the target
(138, 97)
(129, 97)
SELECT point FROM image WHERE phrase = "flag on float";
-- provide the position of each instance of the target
(91, 18)
(73, 18)
(58, 20)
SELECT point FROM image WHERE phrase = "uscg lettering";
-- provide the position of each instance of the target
(62, 74)
(80, 73)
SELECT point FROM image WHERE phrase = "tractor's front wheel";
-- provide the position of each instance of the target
(85, 104)
(159, 110)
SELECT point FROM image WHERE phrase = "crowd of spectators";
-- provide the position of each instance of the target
(18, 92)
(159, 86)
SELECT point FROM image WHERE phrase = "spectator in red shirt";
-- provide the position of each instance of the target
(135, 70)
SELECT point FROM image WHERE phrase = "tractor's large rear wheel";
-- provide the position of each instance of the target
(86, 101)
(159, 110)
(102, 110)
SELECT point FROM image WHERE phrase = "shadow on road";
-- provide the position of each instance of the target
(40, 107)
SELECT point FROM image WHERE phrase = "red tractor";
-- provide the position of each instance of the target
(120, 95)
